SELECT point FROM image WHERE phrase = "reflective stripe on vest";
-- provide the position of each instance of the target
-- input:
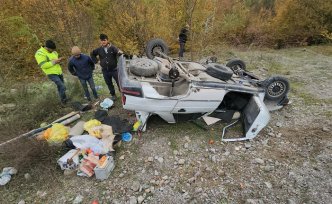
(41, 64)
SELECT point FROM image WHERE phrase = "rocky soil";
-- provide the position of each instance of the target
(289, 162)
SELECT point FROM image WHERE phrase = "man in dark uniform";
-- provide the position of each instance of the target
(108, 55)
(183, 37)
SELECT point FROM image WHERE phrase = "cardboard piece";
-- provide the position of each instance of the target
(77, 129)
(210, 120)
(88, 164)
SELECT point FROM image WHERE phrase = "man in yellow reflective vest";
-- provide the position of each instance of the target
(48, 60)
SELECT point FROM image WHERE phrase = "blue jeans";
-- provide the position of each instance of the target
(59, 82)
(91, 83)
(108, 75)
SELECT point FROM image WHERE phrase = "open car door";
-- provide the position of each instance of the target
(254, 117)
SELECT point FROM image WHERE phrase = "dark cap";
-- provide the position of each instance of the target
(50, 44)
(103, 37)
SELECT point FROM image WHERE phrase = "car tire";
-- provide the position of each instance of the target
(219, 71)
(155, 45)
(143, 67)
(276, 88)
(235, 64)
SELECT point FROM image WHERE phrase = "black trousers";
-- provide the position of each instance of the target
(181, 51)
(108, 75)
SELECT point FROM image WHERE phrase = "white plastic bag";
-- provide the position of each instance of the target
(86, 142)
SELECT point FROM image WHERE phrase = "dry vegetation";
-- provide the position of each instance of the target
(27, 23)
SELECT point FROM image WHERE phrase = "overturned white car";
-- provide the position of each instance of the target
(184, 90)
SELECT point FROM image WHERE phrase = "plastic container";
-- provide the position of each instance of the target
(126, 137)
(106, 104)
(103, 173)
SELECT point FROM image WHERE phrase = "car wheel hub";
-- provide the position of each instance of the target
(276, 88)
(156, 49)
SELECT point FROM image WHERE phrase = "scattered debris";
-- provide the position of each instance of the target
(210, 120)
(6, 175)
(150, 159)
(70, 160)
(326, 129)
(78, 199)
(21, 202)
(77, 129)
(126, 137)
(106, 104)
(258, 161)
(247, 145)
(104, 168)
(81, 107)
(27, 176)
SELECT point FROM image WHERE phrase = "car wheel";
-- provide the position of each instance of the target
(155, 45)
(236, 65)
(276, 88)
(219, 71)
(143, 67)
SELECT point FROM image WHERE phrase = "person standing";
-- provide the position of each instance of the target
(82, 66)
(107, 54)
(48, 60)
(183, 37)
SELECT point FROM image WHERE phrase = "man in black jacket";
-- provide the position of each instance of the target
(183, 37)
(108, 55)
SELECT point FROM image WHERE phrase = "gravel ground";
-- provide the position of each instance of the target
(288, 162)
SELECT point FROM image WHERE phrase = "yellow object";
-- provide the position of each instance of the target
(56, 134)
(101, 131)
(95, 131)
(90, 125)
(137, 125)
(47, 133)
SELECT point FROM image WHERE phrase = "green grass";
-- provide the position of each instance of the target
(309, 99)
(322, 49)
(35, 103)
(173, 141)
(328, 114)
